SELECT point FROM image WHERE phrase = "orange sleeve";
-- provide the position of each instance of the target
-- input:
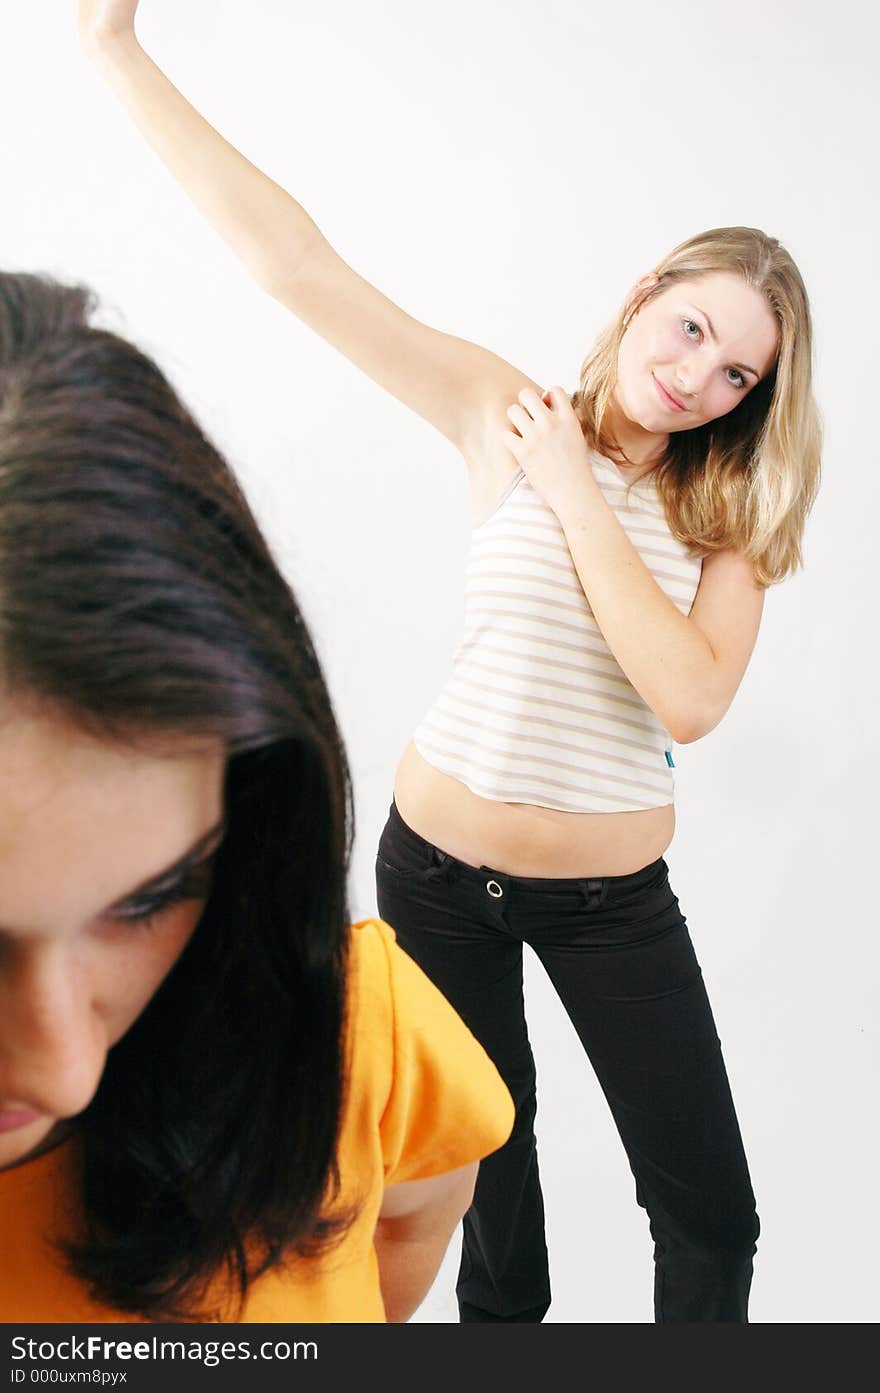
(447, 1103)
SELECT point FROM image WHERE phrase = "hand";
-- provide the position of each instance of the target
(548, 445)
(99, 20)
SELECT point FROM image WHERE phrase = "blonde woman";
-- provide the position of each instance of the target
(623, 541)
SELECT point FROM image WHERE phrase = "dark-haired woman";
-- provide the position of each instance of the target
(624, 537)
(218, 1100)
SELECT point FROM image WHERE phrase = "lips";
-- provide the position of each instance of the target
(667, 398)
(19, 1117)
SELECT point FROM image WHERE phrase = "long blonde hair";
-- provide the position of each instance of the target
(748, 479)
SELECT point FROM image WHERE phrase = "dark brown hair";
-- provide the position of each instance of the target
(138, 599)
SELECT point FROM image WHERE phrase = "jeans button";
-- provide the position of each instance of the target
(494, 889)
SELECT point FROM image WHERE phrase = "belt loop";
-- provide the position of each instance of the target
(594, 892)
(439, 869)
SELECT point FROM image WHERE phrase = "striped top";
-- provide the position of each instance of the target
(537, 709)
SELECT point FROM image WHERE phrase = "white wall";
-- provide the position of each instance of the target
(505, 171)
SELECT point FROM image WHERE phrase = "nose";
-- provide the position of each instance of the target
(693, 373)
(687, 379)
(52, 1049)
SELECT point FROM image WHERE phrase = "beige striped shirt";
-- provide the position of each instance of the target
(537, 709)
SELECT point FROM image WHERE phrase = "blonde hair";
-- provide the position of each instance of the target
(748, 479)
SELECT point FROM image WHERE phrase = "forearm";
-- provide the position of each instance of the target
(666, 657)
(264, 226)
(407, 1267)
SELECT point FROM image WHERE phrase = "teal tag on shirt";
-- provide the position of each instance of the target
(669, 760)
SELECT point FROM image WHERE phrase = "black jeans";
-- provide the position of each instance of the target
(618, 952)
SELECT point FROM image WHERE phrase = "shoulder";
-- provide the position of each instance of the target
(372, 947)
(370, 997)
(370, 939)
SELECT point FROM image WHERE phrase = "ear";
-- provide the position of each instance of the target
(638, 293)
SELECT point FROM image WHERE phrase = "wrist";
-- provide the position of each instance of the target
(105, 48)
(580, 499)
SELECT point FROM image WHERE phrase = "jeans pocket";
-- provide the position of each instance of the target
(402, 857)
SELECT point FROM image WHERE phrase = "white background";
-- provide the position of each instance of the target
(505, 171)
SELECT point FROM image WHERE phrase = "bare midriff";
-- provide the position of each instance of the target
(522, 839)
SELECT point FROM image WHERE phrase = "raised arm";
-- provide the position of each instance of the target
(455, 385)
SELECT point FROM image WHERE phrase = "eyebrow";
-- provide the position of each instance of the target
(743, 366)
(164, 880)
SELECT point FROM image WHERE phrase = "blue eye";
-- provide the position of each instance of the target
(688, 325)
(740, 380)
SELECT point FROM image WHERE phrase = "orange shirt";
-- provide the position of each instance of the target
(423, 1098)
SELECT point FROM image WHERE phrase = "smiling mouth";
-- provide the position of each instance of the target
(672, 402)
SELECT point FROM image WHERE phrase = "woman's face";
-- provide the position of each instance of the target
(94, 838)
(694, 352)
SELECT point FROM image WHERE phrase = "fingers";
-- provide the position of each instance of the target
(559, 399)
(520, 418)
(531, 410)
(541, 405)
(532, 402)
(528, 410)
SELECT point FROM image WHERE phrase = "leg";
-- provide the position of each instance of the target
(626, 971)
(467, 951)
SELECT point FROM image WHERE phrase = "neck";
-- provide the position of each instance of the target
(635, 445)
